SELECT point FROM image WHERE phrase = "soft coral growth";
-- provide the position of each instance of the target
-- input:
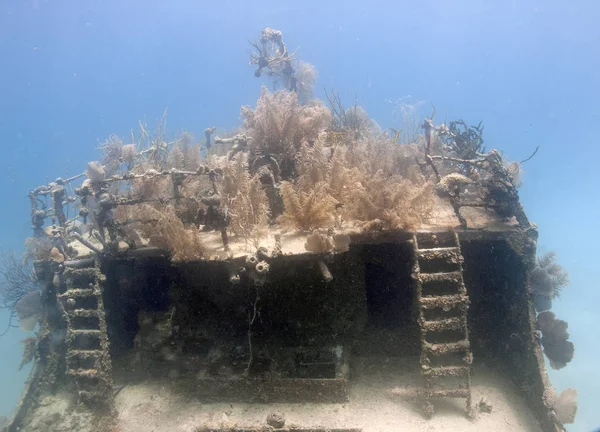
(392, 202)
(306, 210)
(278, 127)
(246, 200)
(162, 228)
(548, 278)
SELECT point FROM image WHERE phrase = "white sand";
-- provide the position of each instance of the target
(441, 219)
(381, 399)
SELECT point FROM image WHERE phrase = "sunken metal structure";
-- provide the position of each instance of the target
(160, 292)
(281, 326)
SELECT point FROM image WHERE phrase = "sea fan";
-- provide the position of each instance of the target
(29, 309)
(565, 406)
(37, 248)
(557, 347)
(19, 287)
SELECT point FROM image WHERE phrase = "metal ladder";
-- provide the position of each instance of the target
(88, 358)
(443, 305)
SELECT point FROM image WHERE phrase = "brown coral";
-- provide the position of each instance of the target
(112, 149)
(385, 155)
(153, 186)
(184, 155)
(376, 182)
(306, 210)
(162, 228)
(247, 202)
(278, 126)
(312, 165)
(395, 202)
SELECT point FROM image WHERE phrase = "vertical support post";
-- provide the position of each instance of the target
(58, 194)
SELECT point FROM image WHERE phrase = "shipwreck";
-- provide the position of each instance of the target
(310, 273)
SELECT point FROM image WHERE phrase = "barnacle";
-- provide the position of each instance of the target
(262, 268)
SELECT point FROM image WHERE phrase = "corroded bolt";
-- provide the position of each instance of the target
(251, 261)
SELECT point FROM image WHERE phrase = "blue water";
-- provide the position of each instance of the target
(73, 72)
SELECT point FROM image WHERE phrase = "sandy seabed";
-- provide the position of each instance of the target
(381, 399)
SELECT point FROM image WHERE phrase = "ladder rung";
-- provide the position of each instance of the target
(78, 292)
(93, 397)
(85, 353)
(445, 348)
(83, 359)
(428, 240)
(83, 373)
(439, 253)
(89, 271)
(84, 313)
(456, 323)
(447, 371)
(455, 276)
(95, 334)
(455, 393)
(441, 301)
(88, 396)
